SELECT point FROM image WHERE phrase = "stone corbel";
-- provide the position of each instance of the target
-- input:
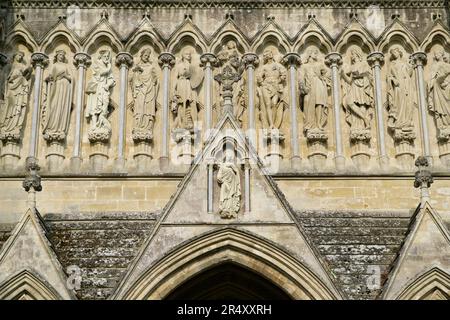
(423, 179)
(32, 181)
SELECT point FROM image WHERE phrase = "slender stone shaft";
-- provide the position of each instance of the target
(333, 60)
(251, 61)
(208, 60)
(39, 62)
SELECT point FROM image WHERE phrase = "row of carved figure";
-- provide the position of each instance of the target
(271, 98)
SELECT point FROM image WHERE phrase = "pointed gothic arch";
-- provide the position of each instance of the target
(228, 245)
(25, 285)
(433, 282)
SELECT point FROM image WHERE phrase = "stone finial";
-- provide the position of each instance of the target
(166, 59)
(124, 59)
(353, 14)
(82, 60)
(250, 60)
(227, 78)
(423, 178)
(32, 179)
(39, 59)
(208, 58)
(291, 59)
(104, 14)
(333, 59)
(419, 58)
(375, 59)
(3, 60)
(146, 14)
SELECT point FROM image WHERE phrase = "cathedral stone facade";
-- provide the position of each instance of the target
(294, 149)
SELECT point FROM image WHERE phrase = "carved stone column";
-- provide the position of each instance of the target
(376, 59)
(247, 169)
(208, 61)
(423, 179)
(251, 61)
(39, 62)
(166, 60)
(124, 61)
(210, 195)
(82, 61)
(334, 60)
(419, 59)
(292, 62)
(32, 182)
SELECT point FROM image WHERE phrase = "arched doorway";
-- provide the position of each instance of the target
(228, 281)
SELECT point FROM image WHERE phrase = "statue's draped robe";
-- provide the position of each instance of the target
(401, 98)
(56, 111)
(16, 99)
(358, 96)
(314, 86)
(145, 90)
(439, 94)
(230, 189)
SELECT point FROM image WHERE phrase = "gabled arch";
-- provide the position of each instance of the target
(20, 33)
(398, 33)
(27, 285)
(187, 30)
(271, 32)
(60, 31)
(438, 34)
(145, 32)
(426, 284)
(313, 32)
(241, 153)
(229, 30)
(102, 34)
(353, 33)
(228, 245)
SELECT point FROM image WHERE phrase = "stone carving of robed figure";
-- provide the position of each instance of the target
(185, 102)
(271, 92)
(98, 97)
(401, 95)
(17, 89)
(358, 95)
(439, 93)
(58, 99)
(315, 83)
(145, 87)
(229, 180)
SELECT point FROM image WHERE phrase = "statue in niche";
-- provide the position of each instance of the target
(98, 97)
(439, 93)
(315, 83)
(229, 56)
(271, 92)
(17, 89)
(145, 88)
(185, 101)
(401, 95)
(57, 99)
(358, 95)
(229, 180)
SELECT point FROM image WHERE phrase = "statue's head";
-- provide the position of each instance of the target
(18, 56)
(312, 53)
(356, 54)
(186, 54)
(105, 56)
(231, 44)
(396, 52)
(60, 56)
(439, 55)
(146, 54)
(229, 153)
(267, 55)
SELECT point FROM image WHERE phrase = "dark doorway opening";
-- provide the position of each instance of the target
(228, 281)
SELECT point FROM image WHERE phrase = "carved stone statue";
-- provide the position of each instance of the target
(315, 82)
(229, 180)
(185, 101)
(358, 95)
(439, 94)
(401, 95)
(229, 57)
(145, 88)
(57, 99)
(17, 89)
(98, 97)
(272, 95)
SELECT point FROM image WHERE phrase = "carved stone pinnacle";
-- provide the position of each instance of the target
(33, 179)
(423, 177)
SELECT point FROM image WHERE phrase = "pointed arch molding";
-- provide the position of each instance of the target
(423, 286)
(27, 283)
(228, 245)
